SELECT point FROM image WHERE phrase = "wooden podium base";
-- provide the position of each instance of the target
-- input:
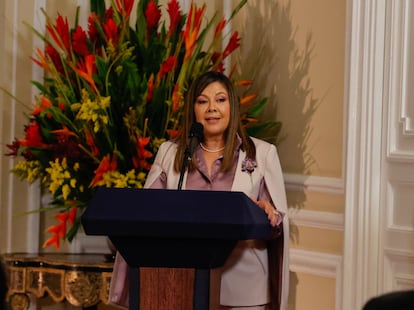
(166, 288)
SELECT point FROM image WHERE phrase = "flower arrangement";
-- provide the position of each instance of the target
(111, 94)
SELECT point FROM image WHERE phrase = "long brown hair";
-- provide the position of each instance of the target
(234, 128)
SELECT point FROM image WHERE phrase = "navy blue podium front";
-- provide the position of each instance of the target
(175, 229)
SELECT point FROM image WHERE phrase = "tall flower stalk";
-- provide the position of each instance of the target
(111, 94)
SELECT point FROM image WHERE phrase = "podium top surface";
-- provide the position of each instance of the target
(162, 213)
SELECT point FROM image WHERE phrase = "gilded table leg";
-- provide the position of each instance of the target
(19, 301)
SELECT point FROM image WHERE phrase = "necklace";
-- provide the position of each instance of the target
(209, 150)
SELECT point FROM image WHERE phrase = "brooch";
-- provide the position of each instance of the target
(248, 165)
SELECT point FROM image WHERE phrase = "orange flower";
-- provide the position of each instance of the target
(106, 165)
(64, 132)
(245, 119)
(91, 143)
(142, 154)
(150, 88)
(243, 82)
(192, 29)
(41, 62)
(62, 218)
(86, 70)
(72, 215)
(247, 99)
(176, 99)
(219, 28)
(54, 239)
(45, 103)
(58, 231)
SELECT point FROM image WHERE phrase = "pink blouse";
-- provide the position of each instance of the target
(199, 179)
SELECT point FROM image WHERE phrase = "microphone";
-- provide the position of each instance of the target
(195, 136)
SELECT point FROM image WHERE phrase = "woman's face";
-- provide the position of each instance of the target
(212, 110)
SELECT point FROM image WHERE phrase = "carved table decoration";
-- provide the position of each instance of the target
(81, 279)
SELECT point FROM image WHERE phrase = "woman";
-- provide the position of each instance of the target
(228, 159)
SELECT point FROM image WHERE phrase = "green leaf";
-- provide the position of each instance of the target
(98, 6)
(256, 109)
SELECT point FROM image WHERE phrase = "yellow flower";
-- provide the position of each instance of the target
(93, 111)
(29, 170)
(65, 191)
(58, 174)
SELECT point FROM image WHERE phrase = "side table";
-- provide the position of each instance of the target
(81, 279)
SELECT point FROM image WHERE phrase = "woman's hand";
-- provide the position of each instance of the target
(272, 214)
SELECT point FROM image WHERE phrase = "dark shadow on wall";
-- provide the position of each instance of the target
(280, 69)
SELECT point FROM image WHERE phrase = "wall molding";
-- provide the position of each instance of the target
(319, 264)
(315, 263)
(317, 219)
(398, 267)
(314, 183)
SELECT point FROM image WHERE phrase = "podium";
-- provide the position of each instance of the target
(162, 228)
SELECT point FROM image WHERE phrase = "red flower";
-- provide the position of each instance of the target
(234, 43)
(111, 31)
(60, 32)
(33, 139)
(13, 147)
(33, 136)
(53, 55)
(175, 15)
(62, 106)
(125, 6)
(167, 65)
(172, 133)
(92, 30)
(79, 42)
(215, 58)
(152, 15)
(109, 13)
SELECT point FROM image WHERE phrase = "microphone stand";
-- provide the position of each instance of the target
(201, 295)
(187, 158)
(201, 292)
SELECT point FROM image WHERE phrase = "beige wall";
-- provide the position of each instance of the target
(295, 52)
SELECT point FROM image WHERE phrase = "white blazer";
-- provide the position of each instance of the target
(247, 266)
